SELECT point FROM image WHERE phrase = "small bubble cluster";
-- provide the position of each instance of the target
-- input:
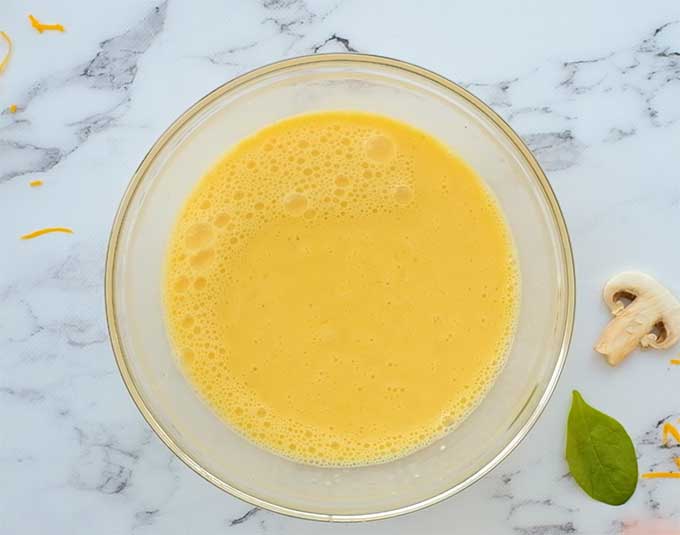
(324, 190)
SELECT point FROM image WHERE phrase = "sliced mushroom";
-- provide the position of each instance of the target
(645, 314)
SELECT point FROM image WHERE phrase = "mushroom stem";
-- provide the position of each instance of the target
(623, 333)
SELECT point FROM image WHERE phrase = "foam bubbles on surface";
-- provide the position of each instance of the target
(198, 236)
(294, 203)
(402, 193)
(379, 148)
(295, 280)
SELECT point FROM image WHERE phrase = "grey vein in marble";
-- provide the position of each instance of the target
(555, 150)
(292, 17)
(105, 466)
(649, 69)
(548, 529)
(336, 39)
(23, 158)
(244, 517)
(145, 518)
(224, 56)
(115, 65)
(112, 69)
(29, 395)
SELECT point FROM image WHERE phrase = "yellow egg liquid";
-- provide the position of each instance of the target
(341, 289)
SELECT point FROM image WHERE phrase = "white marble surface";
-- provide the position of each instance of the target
(594, 88)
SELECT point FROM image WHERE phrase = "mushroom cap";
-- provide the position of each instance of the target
(629, 285)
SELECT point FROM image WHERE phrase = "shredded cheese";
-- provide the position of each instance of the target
(675, 361)
(35, 183)
(45, 27)
(670, 429)
(664, 475)
(661, 475)
(13, 108)
(5, 59)
(47, 230)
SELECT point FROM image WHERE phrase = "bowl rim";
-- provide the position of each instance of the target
(381, 61)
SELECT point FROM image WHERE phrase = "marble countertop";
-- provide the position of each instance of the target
(593, 87)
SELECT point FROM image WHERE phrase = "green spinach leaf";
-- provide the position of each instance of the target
(600, 454)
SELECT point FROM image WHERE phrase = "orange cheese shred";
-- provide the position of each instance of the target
(5, 60)
(35, 183)
(13, 108)
(675, 361)
(45, 27)
(661, 475)
(47, 230)
(670, 429)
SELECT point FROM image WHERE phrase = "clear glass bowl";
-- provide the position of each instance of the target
(197, 139)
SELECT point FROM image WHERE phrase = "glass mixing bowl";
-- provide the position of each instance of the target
(198, 138)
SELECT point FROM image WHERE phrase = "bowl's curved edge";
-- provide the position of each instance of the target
(243, 79)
